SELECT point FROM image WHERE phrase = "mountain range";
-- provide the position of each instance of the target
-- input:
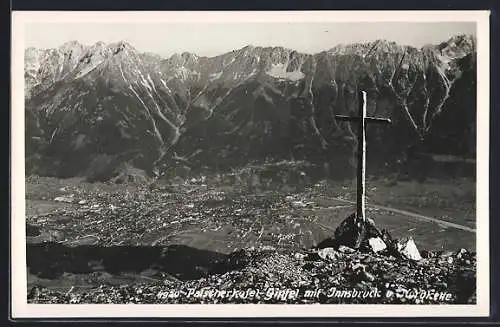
(93, 110)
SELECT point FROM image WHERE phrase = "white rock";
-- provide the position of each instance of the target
(409, 249)
(66, 199)
(82, 202)
(365, 275)
(299, 256)
(461, 253)
(298, 204)
(376, 244)
(447, 254)
(358, 266)
(328, 254)
(268, 248)
(346, 249)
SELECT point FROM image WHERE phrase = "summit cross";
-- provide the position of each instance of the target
(362, 121)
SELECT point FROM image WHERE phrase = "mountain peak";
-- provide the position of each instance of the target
(71, 46)
(248, 47)
(122, 44)
(187, 55)
(119, 46)
(98, 44)
(461, 38)
(457, 46)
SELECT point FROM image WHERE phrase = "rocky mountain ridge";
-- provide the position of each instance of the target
(95, 109)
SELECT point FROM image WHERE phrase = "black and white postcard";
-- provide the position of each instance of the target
(250, 164)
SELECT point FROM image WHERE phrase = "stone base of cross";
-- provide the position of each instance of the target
(356, 226)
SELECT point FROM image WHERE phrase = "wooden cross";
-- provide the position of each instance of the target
(362, 120)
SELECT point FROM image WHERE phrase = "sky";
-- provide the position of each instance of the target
(210, 39)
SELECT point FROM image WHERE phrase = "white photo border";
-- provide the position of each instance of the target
(21, 309)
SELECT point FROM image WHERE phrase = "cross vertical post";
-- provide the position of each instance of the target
(362, 120)
(360, 209)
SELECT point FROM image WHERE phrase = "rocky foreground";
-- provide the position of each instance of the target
(325, 275)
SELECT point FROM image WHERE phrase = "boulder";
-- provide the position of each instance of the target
(408, 249)
(377, 244)
(355, 233)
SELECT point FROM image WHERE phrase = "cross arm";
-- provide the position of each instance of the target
(346, 118)
(368, 119)
(378, 120)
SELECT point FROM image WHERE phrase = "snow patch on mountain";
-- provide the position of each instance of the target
(121, 71)
(88, 69)
(157, 133)
(184, 73)
(279, 71)
(144, 82)
(214, 76)
(165, 85)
